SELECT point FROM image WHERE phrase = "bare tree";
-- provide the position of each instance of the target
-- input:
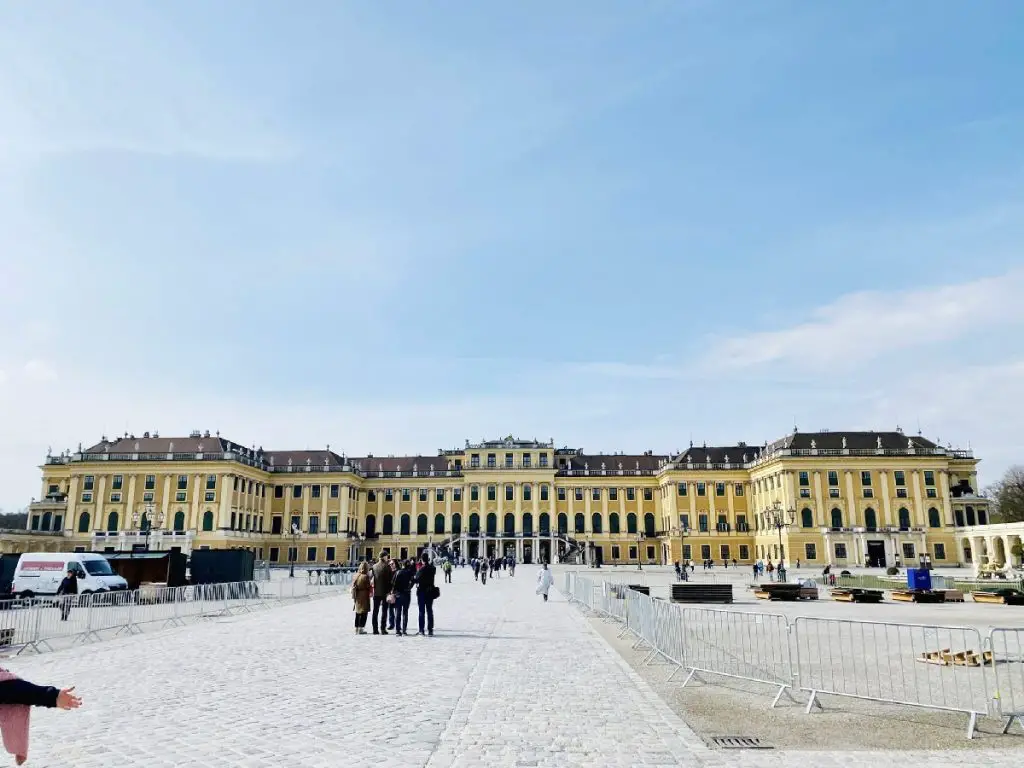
(1008, 495)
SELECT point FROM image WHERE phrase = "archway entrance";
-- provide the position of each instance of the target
(545, 552)
(527, 553)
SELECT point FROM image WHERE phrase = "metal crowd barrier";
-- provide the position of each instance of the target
(948, 668)
(39, 624)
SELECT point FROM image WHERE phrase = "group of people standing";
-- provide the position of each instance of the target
(388, 587)
(482, 566)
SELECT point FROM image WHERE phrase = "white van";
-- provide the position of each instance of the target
(40, 573)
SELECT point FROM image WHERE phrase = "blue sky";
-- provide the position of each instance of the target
(623, 226)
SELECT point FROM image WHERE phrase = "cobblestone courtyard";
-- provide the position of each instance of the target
(506, 681)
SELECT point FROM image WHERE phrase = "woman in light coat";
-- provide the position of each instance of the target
(544, 580)
(361, 597)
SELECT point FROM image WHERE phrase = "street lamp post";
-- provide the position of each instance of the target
(145, 521)
(683, 530)
(639, 560)
(779, 518)
(295, 550)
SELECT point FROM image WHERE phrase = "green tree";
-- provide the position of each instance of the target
(1008, 495)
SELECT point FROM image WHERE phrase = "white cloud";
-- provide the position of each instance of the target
(40, 371)
(865, 325)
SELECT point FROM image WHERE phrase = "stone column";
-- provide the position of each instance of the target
(819, 504)
(946, 505)
(224, 504)
(346, 502)
(305, 513)
(919, 514)
(193, 522)
(587, 496)
(851, 500)
(886, 501)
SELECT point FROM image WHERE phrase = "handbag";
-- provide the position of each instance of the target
(390, 599)
(436, 593)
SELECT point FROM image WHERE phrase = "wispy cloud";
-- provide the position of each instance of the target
(862, 326)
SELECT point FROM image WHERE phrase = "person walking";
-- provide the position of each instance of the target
(483, 572)
(447, 568)
(402, 590)
(68, 588)
(426, 593)
(361, 597)
(17, 697)
(544, 579)
(512, 567)
(382, 579)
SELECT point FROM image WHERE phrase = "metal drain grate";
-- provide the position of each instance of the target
(739, 742)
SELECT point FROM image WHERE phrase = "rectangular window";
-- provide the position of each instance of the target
(406, 495)
(833, 493)
(314, 524)
(650, 552)
(744, 552)
(492, 460)
(901, 493)
(147, 495)
(180, 495)
(211, 495)
(702, 523)
(723, 551)
(613, 494)
(87, 482)
(117, 482)
(701, 489)
(509, 493)
(833, 477)
(371, 496)
(805, 479)
(310, 554)
(810, 551)
(682, 489)
(705, 551)
(723, 523)
(719, 489)
(865, 477)
(314, 491)
(335, 490)
(932, 493)
(86, 497)
(527, 460)
(457, 494)
(648, 494)
(543, 459)
(686, 552)
(150, 482)
(527, 493)
(940, 551)
(741, 523)
(296, 491)
(868, 493)
(544, 493)
(332, 527)
(509, 460)
(296, 522)
(899, 477)
(929, 477)
(474, 493)
(595, 494)
(578, 492)
(631, 494)
(561, 494)
(615, 552)
(115, 497)
(235, 484)
(805, 493)
(738, 490)
(182, 482)
(423, 494)
(632, 553)
(389, 494)
(908, 552)
(275, 554)
(474, 461)
(840, 551)
(684, 520)
(278, 491)
(492, 493)
(439, 494)
(330, 557)
(211, 482)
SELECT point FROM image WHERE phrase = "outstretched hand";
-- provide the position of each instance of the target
(67, 699)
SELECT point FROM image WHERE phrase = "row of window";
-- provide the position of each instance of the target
(810, 552)
(492, 460)
(544, 527)
(683, 489)
(870, 518)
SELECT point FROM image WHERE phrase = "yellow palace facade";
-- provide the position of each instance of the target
(846, 498)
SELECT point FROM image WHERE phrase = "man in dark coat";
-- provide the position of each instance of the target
(426, 592)
(68, 587)
(383, 577)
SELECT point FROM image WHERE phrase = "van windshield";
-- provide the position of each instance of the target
(98, 567)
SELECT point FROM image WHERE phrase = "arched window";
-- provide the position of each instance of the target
(934, 520)
(47, 519)
(527, 492)
(510, 523)
(595, 522)
(904, 517)
(457, 523)
(404, 523)
(527, 524)
(208, 520)
(870, 519)
(492, 523)
(438, 523)
(83, 523)
(631, 523)
(649, 527)
(371, 525)
(613, 522)
(806, 518)
(563, 523)
(421, 525)
(474, 523)
(179, 521)
(112, 522)
(837, 517)
(579, 524)
(388, 525)
(545, 524)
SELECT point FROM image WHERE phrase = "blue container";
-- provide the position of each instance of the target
(919, 578)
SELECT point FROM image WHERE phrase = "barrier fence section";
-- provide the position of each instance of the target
(946, 668)
(39, 624)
